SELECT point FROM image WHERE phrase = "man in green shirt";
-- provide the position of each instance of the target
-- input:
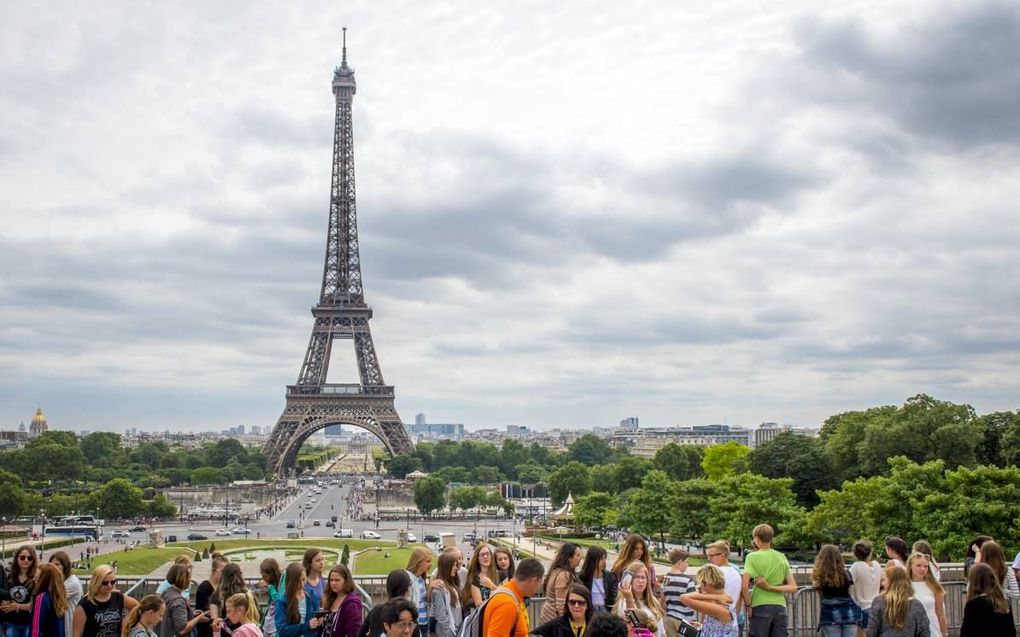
(772, 579)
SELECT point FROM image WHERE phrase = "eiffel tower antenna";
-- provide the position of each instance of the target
(341, 314)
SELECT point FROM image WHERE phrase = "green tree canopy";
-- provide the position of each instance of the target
(691, 515)
(724, 460)
(402, 464)
(430, 494)
(590, 450)
(681, 462)
(118, 499)
(652, 509)
(596, 510)
(747, 500)
(792, 455)
(102, 449)
(571, 478)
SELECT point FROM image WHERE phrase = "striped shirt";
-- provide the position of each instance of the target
(673, 586)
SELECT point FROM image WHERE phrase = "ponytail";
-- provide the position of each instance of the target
(149, 602)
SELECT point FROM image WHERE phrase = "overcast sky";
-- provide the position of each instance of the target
(570, 212)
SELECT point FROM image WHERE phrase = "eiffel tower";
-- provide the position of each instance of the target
(341, 313)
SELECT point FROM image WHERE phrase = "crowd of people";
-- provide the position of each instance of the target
(585, 596)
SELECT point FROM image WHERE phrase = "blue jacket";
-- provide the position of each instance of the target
(286, 629)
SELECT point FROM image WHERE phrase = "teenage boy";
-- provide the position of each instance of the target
(768, 568)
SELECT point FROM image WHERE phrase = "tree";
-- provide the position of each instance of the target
(792, 455)
(681, 462)
(465, 498)
(430, 494)
(691, 514)
(512, 455)
(603, 476)
(571, 478)
(531, 473)
(1010, 445)
(446, 453)
(590, 450)
(12, 496)
(102, 449)
(629, 472)
(207, 475)
(745, 501)
(652, 508)
(847, 514)
(452, 475)
(724, 460)
(220, 453)
(150, 454)
(160, 507)
(345, 555)
(486, 475)
(402, 464)
(596, 509)
(118, 499)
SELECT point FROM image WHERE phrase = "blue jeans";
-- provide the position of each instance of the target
(18, 630)
(839, 630)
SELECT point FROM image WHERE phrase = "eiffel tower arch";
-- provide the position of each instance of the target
(341, 314)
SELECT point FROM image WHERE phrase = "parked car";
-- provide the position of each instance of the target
(344, 533)
(137, 529)
(471, 537)
(241, 530)
(370, 535)
(430, 537)
(411, 537)
(316, 522)
(330, 524)
(118, 534)
(290, 524)
(197, 536)
(332, 518)
(222, 532)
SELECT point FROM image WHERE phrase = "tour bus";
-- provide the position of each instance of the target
(90, 531)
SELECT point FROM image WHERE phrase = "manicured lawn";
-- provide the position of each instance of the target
(142, 561)
(137, 561)
(376, 562)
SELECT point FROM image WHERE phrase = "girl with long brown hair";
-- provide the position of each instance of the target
(839, 614)
(562, 573)
(342, 603)
(314, 561)
(143, 619)
(991, 553)
(987, 613)
(504, 560)
(49, 603)
(72, 587)
(296, 609)
(482, 578)
(895, 612)
(17, 611)
(231, 583)
(445, 606)
(636, 548)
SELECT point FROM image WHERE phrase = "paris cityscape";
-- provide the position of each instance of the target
(678, 379)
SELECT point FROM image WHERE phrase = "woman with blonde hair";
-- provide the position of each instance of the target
(635, 548)
(987, 613)
(636, 593)
(895, 613)
(102, 610)
(240, 610)
(839, 615)
(713, 602)
(49, 603)
(930, 593)
(482, 578)
(418, 565)
(72, 587)
(992, 555)
(142, 619)
(922, 547)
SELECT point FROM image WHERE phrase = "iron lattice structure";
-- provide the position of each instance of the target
(341, 313)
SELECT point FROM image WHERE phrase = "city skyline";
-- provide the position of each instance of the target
(692, 214)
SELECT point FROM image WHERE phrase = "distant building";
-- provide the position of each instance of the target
(629, 424)
(38, 425)
(517, 431)
(765, 432)
(419, 419)
(436, 431)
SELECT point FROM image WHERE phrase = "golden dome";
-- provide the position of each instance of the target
(38, 417)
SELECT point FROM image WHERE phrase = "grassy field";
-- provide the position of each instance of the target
(142, 561)
(376, 562)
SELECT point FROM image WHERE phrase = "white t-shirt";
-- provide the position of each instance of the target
(867, 582)
(734, 583)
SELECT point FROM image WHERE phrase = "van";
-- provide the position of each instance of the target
(344, 533)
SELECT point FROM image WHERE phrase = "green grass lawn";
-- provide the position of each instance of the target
(376, 562)
(142, 561)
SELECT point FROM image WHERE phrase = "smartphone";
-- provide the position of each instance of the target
(634, 620)
(627, 577)
(319, 614)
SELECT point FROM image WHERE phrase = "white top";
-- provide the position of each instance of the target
(72, 586)
(1012, 590)
(734, 583)
(867, 582)
(924, 594)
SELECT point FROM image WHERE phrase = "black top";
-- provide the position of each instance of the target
(981, 620)
(228, 626)
(20, 593)
(203, 595)
(831, 592)
(103, 619)
(373, 626)
(558, 627)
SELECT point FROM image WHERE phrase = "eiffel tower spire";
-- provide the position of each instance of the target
(341, 313)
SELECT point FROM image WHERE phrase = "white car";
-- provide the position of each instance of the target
(411, 537)
(370, 535)
(240, 530)
(118, 533)
(344, 533)
(222, 532)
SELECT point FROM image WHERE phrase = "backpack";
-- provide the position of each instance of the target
(472, 625)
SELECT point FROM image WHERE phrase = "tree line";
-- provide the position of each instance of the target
(927, 468)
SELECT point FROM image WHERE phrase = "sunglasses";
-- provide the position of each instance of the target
(109, 582)
(27, 558)
(577, 602)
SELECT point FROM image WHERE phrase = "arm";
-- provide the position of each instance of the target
(697, 602)
(129, 603)
(940, 613)
(441, 613)
(78, 622)
(745, 590)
